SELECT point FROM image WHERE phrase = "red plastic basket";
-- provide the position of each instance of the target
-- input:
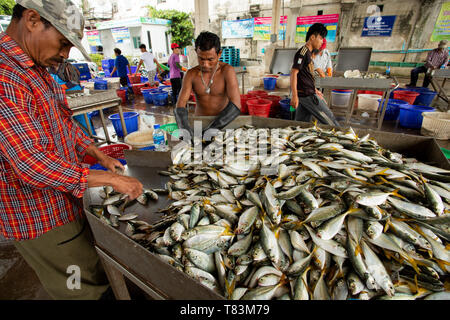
(259, 107)
(113, 150)
(138, 87)
(134, 78)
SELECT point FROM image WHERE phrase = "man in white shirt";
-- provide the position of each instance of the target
(322, 61)
(151, 64)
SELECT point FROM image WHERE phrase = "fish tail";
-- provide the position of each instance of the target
(358, 250)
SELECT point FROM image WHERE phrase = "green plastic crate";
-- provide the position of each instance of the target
(446, 152)
(170, 128)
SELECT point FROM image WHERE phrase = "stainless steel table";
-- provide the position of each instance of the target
(441, 74)
(354, 84)
(97, 101)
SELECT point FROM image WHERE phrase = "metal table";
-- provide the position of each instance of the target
(441, 74)
(122, 257)
(97, 102)
(384, 85)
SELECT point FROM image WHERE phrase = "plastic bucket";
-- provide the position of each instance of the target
(275, 108)
(80, 118)
(244, 99)
(122, 94)
(411, 116)
(368, 101)
(131, 122)
(147, 93)
(259, 107)
(425, 98)
(392, 109)
(160, 98)
(285, 109)
(408, 96)
(255, 93)
(341, 98)
(270, 83)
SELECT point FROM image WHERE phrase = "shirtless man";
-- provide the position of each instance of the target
(214, 84)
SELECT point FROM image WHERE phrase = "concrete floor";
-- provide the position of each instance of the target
(19, 282)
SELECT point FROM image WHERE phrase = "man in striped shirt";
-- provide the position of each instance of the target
(435, 59)
(42, 180)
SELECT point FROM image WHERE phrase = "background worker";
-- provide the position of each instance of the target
(42, 179)
(214, 84)
(322, 61)
(121, 64)
(176, 76)
(306, 99)
(435, 59)
(150, 63)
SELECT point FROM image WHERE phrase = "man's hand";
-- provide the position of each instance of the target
(320, 95)
(129, 186)
(112, 164)
(294, 102)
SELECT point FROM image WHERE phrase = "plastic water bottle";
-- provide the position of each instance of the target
(158, 138)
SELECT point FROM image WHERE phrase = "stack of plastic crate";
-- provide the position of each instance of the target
(231, 55)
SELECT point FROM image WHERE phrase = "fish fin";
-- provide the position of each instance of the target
(387, 225)
(417, 283)
(396, 194)
(358, 249)
(383, 173)
(385, 181)
(352, 210)
(447, 247)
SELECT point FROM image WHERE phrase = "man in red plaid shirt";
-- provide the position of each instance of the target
(42, 180)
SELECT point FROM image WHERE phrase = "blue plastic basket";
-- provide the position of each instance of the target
(85, 73)
(131, 122)
(285, 109)
(160, 98)
(411, 116)
(100, 167)
(392, 109)
(270, 83)
(101, 85)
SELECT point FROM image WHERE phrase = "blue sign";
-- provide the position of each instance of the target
(237, 29)
(378, 26)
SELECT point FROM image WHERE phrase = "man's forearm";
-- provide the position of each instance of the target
(94, 152)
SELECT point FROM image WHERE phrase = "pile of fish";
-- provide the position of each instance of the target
(326, 215)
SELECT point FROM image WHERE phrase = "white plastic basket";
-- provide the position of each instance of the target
(436, 124)
(140, 139)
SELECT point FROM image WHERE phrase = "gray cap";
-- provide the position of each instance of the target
(64, 15)
(443, 44)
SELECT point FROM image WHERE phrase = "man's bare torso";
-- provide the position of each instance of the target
(210, 104)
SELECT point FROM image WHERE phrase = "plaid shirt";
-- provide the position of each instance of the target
(42, 179)
(437, 59)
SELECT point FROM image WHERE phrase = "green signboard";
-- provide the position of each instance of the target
(442, 27)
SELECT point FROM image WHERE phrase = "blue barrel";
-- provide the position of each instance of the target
(80, 118)
(411, 116)
(392, 109)
(285, 109)
(270, 83)
(131, 122)
(160, 98)
(425, 98)
(147, 94)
